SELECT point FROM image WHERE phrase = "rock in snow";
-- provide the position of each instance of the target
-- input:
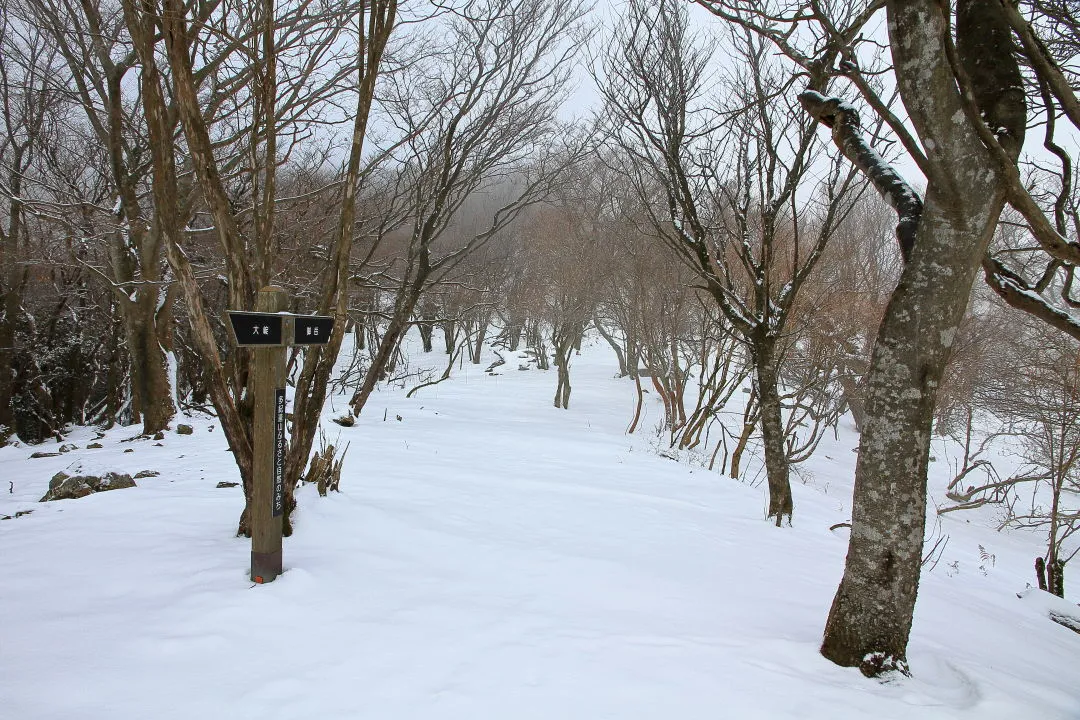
(64, 487)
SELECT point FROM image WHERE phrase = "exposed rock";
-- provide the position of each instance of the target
(70, 489)
(66, 448)
(129, 450)
(44, 455)
(63, 487)
(159, 435)
(94, 446)
(112, 481)
(146, 474)
(184, 430)
(226, 484)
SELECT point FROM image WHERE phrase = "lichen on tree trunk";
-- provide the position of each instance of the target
(870, 619)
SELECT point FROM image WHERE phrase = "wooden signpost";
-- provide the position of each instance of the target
(268, 332)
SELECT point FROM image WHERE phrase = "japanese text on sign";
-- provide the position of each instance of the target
(279, 452)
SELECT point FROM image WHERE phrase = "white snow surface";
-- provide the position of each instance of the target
(490, 557)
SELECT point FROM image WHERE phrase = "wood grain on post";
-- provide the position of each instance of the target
(268, 376)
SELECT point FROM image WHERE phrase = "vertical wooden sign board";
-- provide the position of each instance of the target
(268, 376)
(268, 332)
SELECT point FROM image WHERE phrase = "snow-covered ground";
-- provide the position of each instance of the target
(490, 557)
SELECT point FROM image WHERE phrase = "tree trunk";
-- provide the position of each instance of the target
(853, 396)
(135, 259)
(482, 322)
(740, 448)
(870, 619)
(115, 377)
(312, 384)
(449, 336)
(427, 329)
(1040, 573)
(151, 384)
(619, 354)
(563, 348)
(534, 339)
(777, 468)
(513, 332)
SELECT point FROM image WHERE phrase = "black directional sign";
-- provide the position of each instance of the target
(312, 329)
(252, 328)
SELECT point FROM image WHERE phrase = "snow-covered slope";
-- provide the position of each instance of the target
(489, 557)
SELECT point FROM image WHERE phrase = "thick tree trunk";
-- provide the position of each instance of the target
(871, 615)
(870, 619)
(135, 258)
(311, 385)
(151, 381)
(564, 343)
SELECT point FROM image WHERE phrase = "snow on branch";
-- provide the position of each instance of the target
(1018, 293)
(843, 119)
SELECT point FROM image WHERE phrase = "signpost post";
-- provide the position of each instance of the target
(269, 331)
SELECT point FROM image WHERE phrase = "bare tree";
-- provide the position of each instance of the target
(98, 57)
(951, 92)
(478, 116)
(25, 101)
(737, 200)
(1030, 383)
(871, 615)
(288, 83)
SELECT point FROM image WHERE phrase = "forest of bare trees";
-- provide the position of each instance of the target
(775, 215)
